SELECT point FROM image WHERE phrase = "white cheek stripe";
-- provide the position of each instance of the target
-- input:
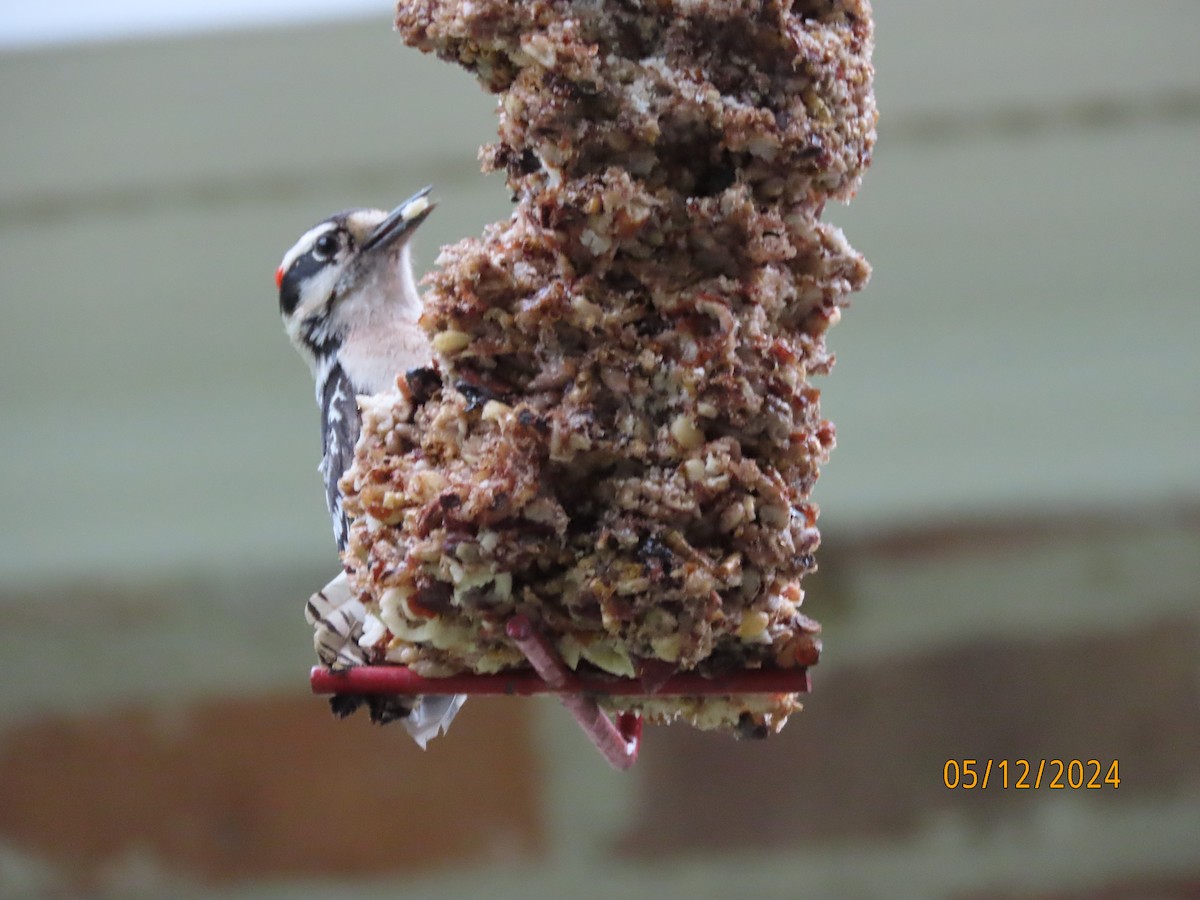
(316, 291)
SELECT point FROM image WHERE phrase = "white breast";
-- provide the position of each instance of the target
(373, 357)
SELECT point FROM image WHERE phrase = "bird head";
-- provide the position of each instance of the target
(346, 271)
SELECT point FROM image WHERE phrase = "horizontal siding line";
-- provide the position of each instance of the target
(1006, 532)
(1091, 115)
(218, 193)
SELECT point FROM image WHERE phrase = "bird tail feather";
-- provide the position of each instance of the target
(432, 716)
(338, 616)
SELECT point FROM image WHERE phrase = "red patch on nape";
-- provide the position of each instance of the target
(279, 276)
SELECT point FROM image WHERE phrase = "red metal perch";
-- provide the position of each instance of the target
(617, 742)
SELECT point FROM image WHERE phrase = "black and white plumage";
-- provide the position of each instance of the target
(340, 424)
(350, 306)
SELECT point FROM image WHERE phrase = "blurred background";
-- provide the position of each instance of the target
(1011, 557)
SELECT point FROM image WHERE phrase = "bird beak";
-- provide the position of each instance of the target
(402, 221)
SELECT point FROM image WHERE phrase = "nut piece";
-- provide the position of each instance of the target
(753, 626)
(450, 341)
(685, 432)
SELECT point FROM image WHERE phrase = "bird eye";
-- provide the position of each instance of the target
(326, 246)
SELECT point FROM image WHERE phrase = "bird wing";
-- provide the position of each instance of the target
(340, 424)
(336, 614)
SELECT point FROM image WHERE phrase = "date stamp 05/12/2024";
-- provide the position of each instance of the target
(1031, 774)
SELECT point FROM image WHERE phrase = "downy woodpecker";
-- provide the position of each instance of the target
(350, 306)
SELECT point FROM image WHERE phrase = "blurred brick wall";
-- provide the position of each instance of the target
(269, 787)
(224, 794)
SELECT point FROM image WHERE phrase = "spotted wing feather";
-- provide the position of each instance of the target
(340, 424)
